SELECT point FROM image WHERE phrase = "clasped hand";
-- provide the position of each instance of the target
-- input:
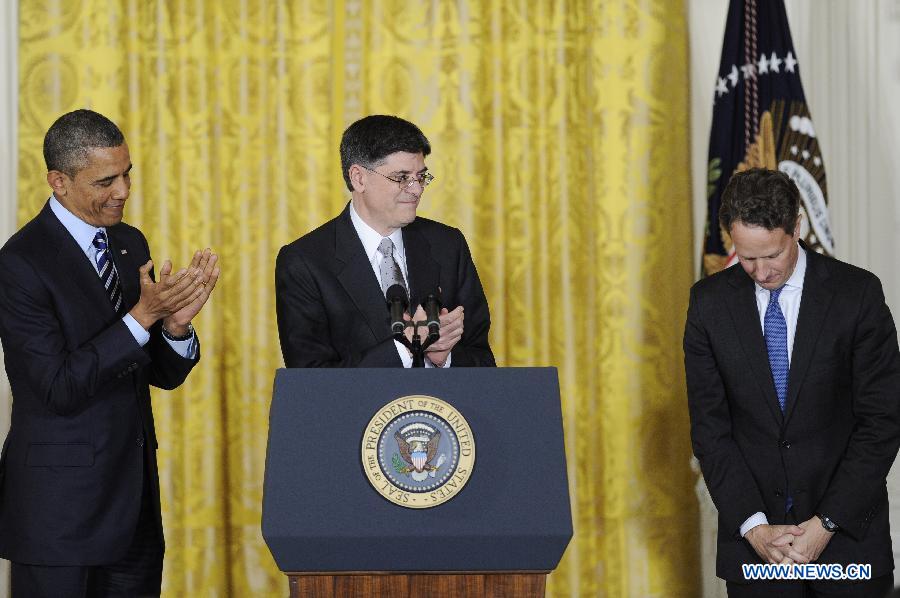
(451, 331)
(790, 543)
(176, 298)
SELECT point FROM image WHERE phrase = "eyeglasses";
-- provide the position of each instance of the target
(405, 181)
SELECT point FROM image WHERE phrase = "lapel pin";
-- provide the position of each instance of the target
(123, 251)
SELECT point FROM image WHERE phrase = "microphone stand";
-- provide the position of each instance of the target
(417, 347)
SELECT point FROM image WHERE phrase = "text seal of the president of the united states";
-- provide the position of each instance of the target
(418, 451)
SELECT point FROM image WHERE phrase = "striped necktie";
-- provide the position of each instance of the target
(107, 270)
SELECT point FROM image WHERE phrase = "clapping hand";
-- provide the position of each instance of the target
(204, 263)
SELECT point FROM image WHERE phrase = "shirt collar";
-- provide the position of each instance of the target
(371, 238)
(796, 279)
(81, 231)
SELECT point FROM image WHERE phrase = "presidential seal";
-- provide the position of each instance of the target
(418, 451)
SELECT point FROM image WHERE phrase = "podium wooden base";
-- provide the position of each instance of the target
(369, 584)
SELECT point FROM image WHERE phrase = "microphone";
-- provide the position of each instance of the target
(432, 306)
(397, 304)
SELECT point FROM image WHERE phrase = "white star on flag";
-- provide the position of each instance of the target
(817, 161)
(774, 63)
(749, 71)
(721, 87)
(794, 149)
(763, 64)
(805, 154)
(733, 76)
(789, 62)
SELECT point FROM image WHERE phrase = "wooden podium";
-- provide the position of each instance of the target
(434, 585)
(335, 535)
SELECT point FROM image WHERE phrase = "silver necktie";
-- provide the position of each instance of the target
(390, 269)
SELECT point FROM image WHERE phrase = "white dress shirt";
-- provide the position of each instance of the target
(84, 234)
(789, 301)
(371, 239)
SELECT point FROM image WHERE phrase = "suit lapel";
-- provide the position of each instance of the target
(424, 272)
(354, 271)
(814, 305)
(745, 315)
(73, 264)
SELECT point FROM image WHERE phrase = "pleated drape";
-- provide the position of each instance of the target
(561, 150)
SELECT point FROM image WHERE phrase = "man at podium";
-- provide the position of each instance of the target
(331, 284)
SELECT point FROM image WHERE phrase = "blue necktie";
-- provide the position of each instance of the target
(775, 328)
(776, 345)
(107, 271)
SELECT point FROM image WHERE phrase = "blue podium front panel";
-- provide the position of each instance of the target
(320, 513)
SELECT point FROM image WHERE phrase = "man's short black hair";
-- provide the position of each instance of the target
(760, 197)
(371, 139)
(69, 139)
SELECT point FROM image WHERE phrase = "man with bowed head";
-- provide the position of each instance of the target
(332, 282)
(793, 377)
(86, 330)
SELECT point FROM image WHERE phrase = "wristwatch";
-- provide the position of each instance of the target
(828, 524)
(168, 335)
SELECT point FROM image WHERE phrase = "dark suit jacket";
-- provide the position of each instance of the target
(332, 313)
(71, 473)
(834, 445)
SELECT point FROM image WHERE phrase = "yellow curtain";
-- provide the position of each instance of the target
(561, 150)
